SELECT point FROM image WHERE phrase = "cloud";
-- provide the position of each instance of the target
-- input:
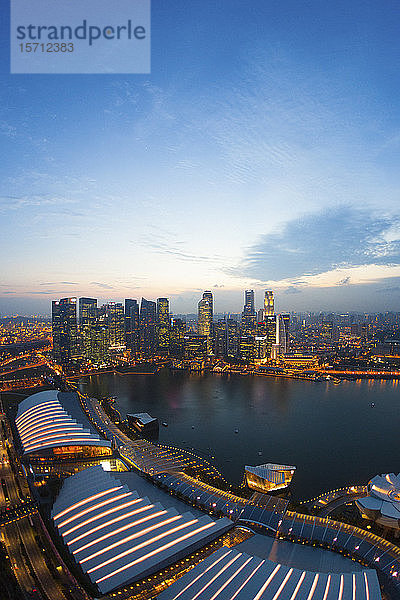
(105, 286)
(69, 282)
(292, 290)
(389, 290)
(318, 242)
(344, 281)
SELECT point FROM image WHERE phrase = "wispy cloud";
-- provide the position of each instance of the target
(104, 286)
(319, 242)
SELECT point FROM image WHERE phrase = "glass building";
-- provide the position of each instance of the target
(65, 331)
(148, 329)
(205, 318)
(163, 326)
(132, 325)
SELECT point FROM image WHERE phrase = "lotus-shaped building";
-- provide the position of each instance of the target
(383, 501)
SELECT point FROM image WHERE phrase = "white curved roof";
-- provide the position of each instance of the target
(117, 536)
(52, 419)
(384, 495)
(228, 574)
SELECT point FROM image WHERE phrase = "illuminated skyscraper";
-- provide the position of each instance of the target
(86, 306)
(269, 308)
(283, 333)
(271, 334)
(249, 313)
(220, 338)
(205, 318)
(132, 325)
(116, 325)
(163, 326)
(65, 331)
(87, 318)
(148, 332)
(232, 334)
(177, 338)
(196, 346)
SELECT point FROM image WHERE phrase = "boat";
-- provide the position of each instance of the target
(164, 424)
(236, 430)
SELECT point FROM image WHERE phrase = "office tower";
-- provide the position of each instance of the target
(163, 325)
(177, 338)
(148, 331)
(205, 318)
(132, 325)
(246, 348)
(249, 313)
(220, 338)
(271, 334)
(114, 312)
(269, 308)
(196, 346)
(260, 315)
(282, 337)
(87, 316)
(86, 306)
(98, 347)
(232, 335)
(65, 331)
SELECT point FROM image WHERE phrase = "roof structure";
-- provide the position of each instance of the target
(54, 419)
(118, 536)
(143, 417)
(383, 500)
(228, 574)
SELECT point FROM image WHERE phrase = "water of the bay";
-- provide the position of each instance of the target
(336, 435)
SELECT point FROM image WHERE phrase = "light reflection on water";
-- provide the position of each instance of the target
(332, 433)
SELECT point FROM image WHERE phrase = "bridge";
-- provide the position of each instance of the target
(328, 501)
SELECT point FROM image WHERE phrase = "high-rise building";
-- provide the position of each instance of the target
(132, 325)
(270, 332)
(196, 346)
(87, 317)
(249, 313)
(86, 306)
(163, 326)
(177, 338)
(283, 333)
(148, 330)
(232, 335)
(220, 338)
(65, 331)
(269, 308)
(116, 325)
(205, 318)
(246, 347)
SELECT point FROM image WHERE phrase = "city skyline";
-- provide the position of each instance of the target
(261, 153)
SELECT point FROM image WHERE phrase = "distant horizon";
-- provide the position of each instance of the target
(192, 310)
(261, 152)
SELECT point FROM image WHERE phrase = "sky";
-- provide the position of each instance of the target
(262, 152)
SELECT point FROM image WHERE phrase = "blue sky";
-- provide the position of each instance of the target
(262, 152)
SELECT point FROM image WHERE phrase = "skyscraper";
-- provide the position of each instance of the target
(232, 341)
(86, 306)
(249, 313)
(65, 331)
(148, 333)
(163, 325)
(116, 325)
(177, 338)
(87, 317)
(283, 334)
(132, 325)
(220, 338)
(205, 318)
(269, 308)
